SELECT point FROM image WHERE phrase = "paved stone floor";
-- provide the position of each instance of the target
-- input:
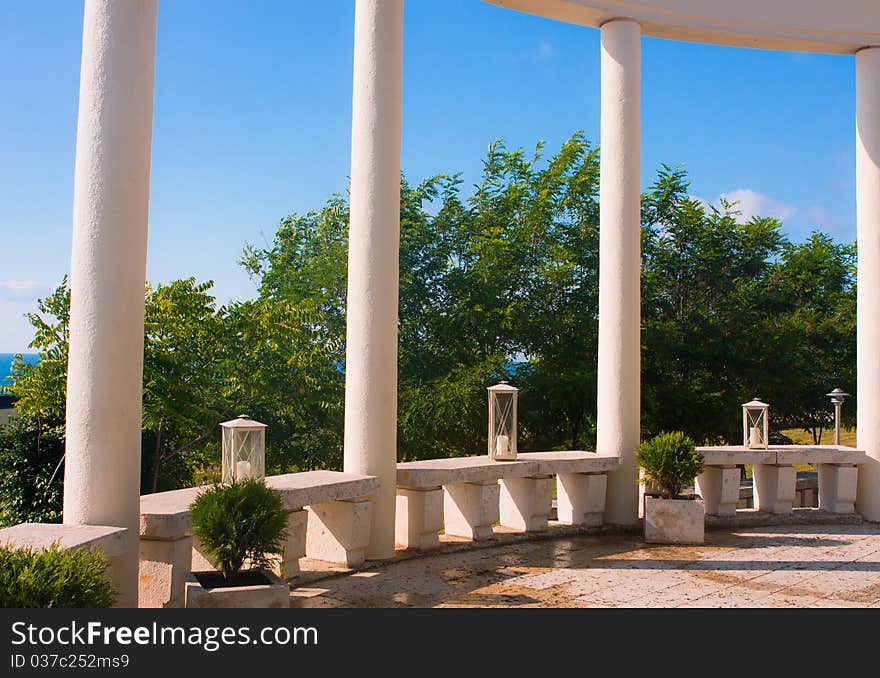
(779, 566)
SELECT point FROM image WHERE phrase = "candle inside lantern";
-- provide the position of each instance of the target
(501, 445)
(755, 437)
(242, 470)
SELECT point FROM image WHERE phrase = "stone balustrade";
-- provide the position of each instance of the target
(465, 496)
(328, 517)
(774, 477)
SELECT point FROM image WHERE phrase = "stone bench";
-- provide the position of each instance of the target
(775, 478)
(111, 540)
(336, 528)
(465, 496)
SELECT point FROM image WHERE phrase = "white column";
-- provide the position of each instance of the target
(373, 245)
(619, 388)
(868, 318)
(107, 274)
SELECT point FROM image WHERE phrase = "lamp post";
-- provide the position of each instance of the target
(837, 397)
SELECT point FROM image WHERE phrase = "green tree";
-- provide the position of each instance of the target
(810, 311)
(184, 398)
(32, 446)
(704, 339)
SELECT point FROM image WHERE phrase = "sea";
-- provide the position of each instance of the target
(6, 364)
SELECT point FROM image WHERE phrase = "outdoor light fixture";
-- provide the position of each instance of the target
(244, 449)
(837, 397)
(502, 421)
(756, 424)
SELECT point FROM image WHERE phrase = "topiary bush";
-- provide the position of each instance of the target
(238, 522)
(54, 577)
(671, 461)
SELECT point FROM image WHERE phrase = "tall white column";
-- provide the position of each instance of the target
(619, 370)
(108, 270)
(373, 246)
(868, 318)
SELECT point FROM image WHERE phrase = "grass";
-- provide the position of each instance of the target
(801, 437)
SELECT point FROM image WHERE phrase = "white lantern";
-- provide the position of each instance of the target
(756, 424)
(244, 449)
(502, 422)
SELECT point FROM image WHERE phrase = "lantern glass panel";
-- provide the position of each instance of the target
(502, 424)
(755, 425)
(243, 453)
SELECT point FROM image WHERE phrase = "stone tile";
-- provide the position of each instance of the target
(545, 580)
(307, 592)
(773, 566)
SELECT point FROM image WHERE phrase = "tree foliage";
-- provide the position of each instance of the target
(499, 280)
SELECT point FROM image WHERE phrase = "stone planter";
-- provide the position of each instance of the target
(674, 521)
(273, 593)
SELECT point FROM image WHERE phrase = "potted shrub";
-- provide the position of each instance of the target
(670, 461)
(240, 523)
(54, 577)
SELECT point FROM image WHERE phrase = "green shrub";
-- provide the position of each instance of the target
(31, 472)
(54, 577)
(238, 522)
(670, 460)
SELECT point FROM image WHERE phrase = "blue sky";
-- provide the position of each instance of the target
(253, 115)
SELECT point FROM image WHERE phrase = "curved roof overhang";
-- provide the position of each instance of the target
(825, 26)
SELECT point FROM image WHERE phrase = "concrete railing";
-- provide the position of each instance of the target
(465, 496)
(328, 517)
(775, 480)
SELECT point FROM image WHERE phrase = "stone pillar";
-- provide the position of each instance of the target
(373, 246)
(419, 517)
(470, 509)
(837, 487)
(525, 503)
(580, 498)
(618, 415)
(719, 488)
(774, 487)
(868, 333)
(107, 274)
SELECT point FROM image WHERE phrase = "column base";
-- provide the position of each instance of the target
(295, 544)
(470, 509)
(580, 498)
(419, 517)
(719, 488)
(774, 487)
(525, 503)
(838, 484)
(162, 567)
(339, 531)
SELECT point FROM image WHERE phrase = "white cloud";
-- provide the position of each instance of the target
(22, 289)
(754, 204)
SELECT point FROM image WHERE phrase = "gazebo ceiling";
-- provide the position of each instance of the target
(829, 26)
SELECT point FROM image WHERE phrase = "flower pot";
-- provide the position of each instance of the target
(674, 521)
(252, 588)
